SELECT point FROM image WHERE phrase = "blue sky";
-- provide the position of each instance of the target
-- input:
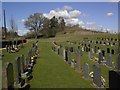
(89, 14)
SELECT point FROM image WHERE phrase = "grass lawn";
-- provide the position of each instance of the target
(52, 72)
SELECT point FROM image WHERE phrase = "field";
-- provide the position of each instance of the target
(51, 70)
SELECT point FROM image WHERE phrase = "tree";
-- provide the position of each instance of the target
(13, 28)
(54, 25)
(61, 23)
(35, 22)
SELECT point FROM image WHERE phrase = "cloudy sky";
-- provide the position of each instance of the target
(90, 15)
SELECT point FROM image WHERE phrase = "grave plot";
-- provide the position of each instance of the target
(107, 58)
(18, 73)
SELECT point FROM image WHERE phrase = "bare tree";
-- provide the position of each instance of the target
(35, 22)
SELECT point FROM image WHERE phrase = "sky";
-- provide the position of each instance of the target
(90, 15)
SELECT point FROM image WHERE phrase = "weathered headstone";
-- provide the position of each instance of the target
(89, 55)
(86, 71)
(97, 75)
(8, 77)
(109, 60)
(64, 53)
(69, 57)
(18, 70)
(100, 57)
(118, 62)
(22, 63)
(78, 62)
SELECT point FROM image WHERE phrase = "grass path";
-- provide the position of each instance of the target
(51, 71)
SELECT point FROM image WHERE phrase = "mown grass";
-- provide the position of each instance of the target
(51, 71)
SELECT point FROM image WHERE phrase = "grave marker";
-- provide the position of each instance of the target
(97, 75)
(8, 77)
(86, 71)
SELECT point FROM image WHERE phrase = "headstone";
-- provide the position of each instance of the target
(114, 80)
(109, 60)
(22, 63)
(97, 75)
(86, 71)
(103, 53)
(18, 70)
(64, 53)
(95, 49)
(112, 51)
(118, 62)
(78, 62)
(100, 57)
(7, 48)
(89, 55)
(69, 57)
(8, 77)
(108, 50)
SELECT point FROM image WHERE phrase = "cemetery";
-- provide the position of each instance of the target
(59, 57)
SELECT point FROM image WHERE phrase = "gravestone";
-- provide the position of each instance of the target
(112, 51)
(22, 59)
(89, 55)
(95, 49)
(7, 48)
(18, 70)
(100, 57)
(64, 53)
(103, 53)
(78, 62)
(8, 77)
(97, 75)
(86, 71)
(114, 79)
(69, 57)
(108, 50)
(109, 60)
(118, 62)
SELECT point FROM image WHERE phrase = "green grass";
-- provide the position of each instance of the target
(51, 71)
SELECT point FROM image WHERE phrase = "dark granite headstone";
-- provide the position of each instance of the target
(114, 80)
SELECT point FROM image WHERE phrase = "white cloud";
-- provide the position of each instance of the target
(21, 20)
(75, 13)
(91, 23)
(22, 32)
(110, 14)
(74, 21)
(71, 17)
(67, 8)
